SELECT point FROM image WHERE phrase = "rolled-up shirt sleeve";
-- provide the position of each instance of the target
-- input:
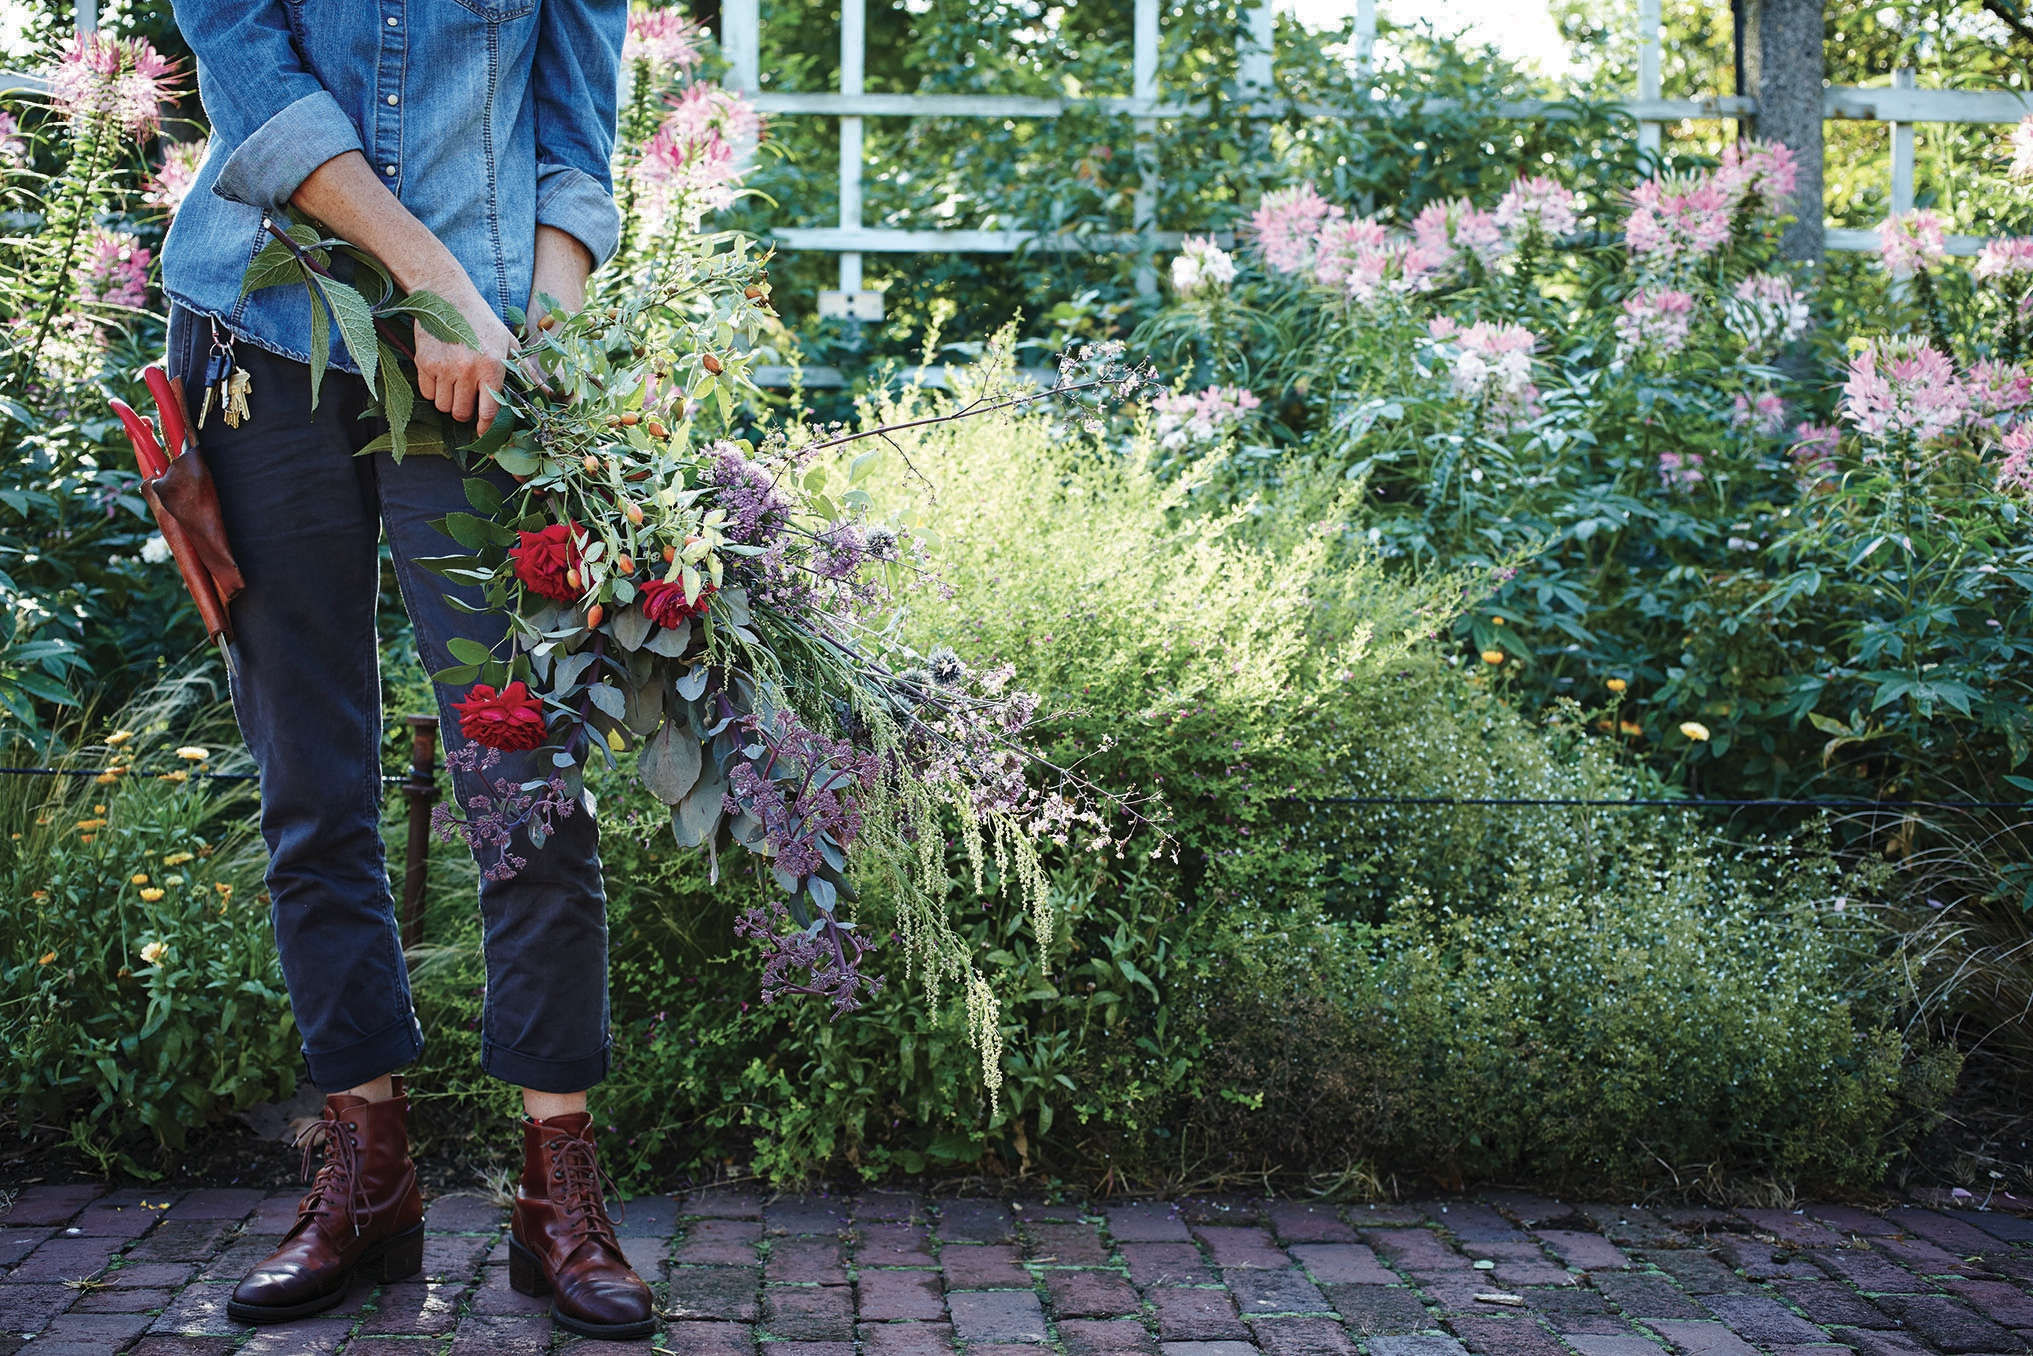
(576, 78)
(280, 121)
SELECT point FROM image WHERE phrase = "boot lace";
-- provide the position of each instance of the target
(338, 1180)
(576, 1171)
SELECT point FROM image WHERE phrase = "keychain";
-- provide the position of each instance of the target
(226, 382)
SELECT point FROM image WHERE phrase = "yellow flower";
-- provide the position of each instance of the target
(1492, 656)
(1616, 685)
(98, 809)
(1694, 730)
(38, 894)
(176, 859)
(1630, 727)
(178, 776)
(1496, 621)
(14, 835)
(42, 819)
(138, 878)
(107, 778)
(47, 958)
(91, 823)
(153, 953)
(119, 737)
(86, 837)
(193, 753)
(152, 893)
(224, 888)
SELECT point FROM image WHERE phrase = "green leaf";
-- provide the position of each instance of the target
(697, 816)
(483, 495)
(321, 343)
(274, 266)
(517, 462)
(439, 318)
(356, 324)
(609, 699)
(397, 400)
(669, 766)
(631, 628)
(468, 651)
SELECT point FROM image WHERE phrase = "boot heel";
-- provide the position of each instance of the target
(525, 1273)
(401, 1257)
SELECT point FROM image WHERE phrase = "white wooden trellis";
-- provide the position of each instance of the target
(1901, 106)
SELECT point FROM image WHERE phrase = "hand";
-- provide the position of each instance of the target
(456, 378)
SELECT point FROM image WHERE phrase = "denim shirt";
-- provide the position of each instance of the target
(484, 117)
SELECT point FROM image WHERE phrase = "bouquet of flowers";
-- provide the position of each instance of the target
(731, 610)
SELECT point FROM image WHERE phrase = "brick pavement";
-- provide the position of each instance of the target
(899, 1273)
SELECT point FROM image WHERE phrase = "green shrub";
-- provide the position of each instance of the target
(140, 996)
(1338, 992)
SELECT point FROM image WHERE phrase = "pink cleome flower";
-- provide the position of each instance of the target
(1909, 241)
(2015, 472)
(2022, 149)
(1680, 470)
(13, 145)
(665, 38)
(2007, 260)
(1288, 223)
(1656, 322)
(1537, 202)
(1678, 217)
(1764, 416)
(1201, 268)
(172, 182)
(1813, 454)
(1492, 364)
(1446, 229)
(1348, 246)
(114, 272)
(1767, 312)
(1759, 175)
(1903, 387)
(1190, 420)
(1997, 388)
(125, 80)
(690, 167)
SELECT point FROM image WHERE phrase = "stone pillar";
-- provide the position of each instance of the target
(1783, 71)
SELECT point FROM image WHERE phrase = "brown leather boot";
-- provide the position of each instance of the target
(362, 1213)
(561, 1242)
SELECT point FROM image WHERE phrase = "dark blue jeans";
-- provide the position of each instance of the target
(304, 516)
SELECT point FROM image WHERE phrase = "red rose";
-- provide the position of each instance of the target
(663, 601)
(508, 719)
(542, 560)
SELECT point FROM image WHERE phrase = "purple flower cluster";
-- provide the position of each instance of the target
(829, 954)
(802, 789)
(490, 821)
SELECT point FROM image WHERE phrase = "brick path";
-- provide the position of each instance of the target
(902, 1274)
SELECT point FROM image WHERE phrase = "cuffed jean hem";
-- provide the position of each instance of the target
(545, 1075)
(365, 1060)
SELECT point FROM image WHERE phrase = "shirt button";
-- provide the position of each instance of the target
(392, 21)
(389, 170)
(394, 98)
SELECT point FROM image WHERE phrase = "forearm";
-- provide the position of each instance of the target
(561, 269)
(346, 194)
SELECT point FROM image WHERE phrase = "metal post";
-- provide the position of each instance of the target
(1144, 90)
(87, 15)
(420, 789)
(853, 59)
(1783, 65)
(1648, 71)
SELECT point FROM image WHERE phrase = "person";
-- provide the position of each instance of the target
(466, 144)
